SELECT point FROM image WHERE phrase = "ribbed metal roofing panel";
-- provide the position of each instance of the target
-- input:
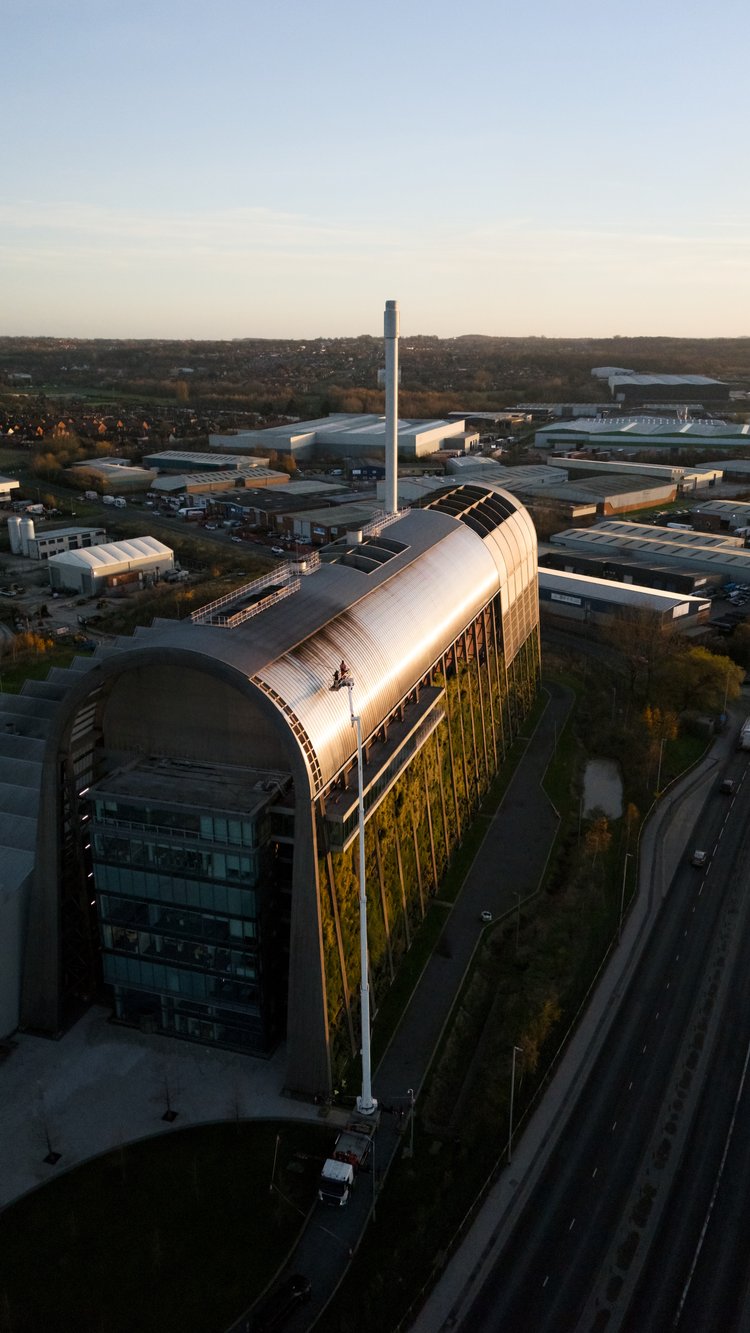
(390, 638)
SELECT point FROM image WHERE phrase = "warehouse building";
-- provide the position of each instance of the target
(193, 790)
(205, 483)
(350, 436)
(184, 460)
(592, 601)
(638, 434)
(684, 478)
(725, 515)
(632, 389)
(675, 578)
(114, 476)
(89, 571)
(719, 556)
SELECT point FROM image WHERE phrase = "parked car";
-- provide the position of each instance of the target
(485, 917)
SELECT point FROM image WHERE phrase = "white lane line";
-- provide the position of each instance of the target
(657, 1014)
(643, 1050)
(572, 1224)
(593, 1173)
(630, 1085)
(614, 1127)
(717, 1184)
(546, 1280)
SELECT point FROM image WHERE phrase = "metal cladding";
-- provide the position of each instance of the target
(391, 332)
(394, 634)
(14, 534)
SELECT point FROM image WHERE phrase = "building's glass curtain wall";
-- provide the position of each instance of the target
(189, 904)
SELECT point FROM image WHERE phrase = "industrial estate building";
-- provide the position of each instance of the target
(190, 830)
(638, 433)
(594, 601)
(25, 540)
(717, 555)
(87, 570)
(354, 436)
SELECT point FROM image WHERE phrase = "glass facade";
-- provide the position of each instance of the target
(193, 910)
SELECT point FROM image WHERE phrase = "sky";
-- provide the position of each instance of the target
(273, 168)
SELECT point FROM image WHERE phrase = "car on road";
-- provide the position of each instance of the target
(278, 550)
(236, 539)
(485, 917)
(728, 787)
(699, 858)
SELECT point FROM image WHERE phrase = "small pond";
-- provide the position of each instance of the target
(602, 788)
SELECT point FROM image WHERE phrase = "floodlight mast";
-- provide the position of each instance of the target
(366, 1103)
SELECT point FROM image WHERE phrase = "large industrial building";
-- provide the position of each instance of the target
(637, 434)
(718, 555)
(593, 601)
(350, 436)
(87, 570)
(189, 838)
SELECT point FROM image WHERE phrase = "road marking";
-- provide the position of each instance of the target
(677, 958)
(630, 1085)
(593, 1173)
(657, 1014)
(643, 1050)
(546, 1280)
(614, 1127)
(684, 932)
(572, 1224)
(667, 986)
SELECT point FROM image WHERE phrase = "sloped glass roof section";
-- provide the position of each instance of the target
(480, 510)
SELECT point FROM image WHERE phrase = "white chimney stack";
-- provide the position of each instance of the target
(391, 330)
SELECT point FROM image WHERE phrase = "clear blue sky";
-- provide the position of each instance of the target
(272, 168)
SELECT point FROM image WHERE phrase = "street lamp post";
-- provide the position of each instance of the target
(517, 1050)
(622, 895)
(658, 774)
(366, 1104)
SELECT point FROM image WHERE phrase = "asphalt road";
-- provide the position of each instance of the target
(564, 1266)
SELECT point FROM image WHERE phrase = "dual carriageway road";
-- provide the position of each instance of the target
(636, 1221)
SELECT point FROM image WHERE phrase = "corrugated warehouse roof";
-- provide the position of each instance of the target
(619, 594)
(184, 457)
(727, 560)
(113, 554)
(621, 431)
(674, 536)
(631, 377)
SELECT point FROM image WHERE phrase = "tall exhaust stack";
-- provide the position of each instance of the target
(391, 327)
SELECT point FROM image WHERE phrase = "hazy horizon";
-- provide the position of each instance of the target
(182, 171)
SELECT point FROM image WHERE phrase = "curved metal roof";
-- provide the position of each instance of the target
(393, 635)
(113, 553)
